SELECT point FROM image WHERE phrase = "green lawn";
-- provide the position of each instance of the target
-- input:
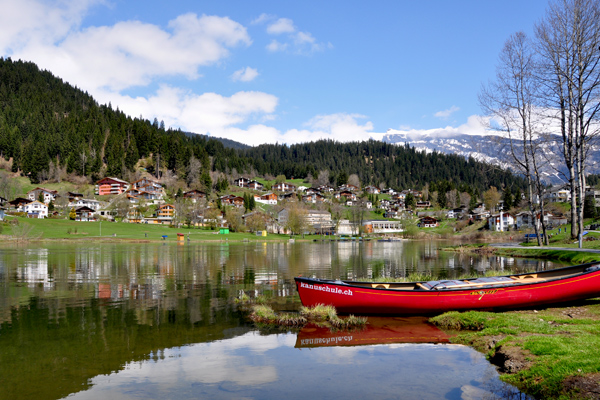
(67, 229)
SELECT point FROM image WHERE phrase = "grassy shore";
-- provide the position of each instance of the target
(548, 353)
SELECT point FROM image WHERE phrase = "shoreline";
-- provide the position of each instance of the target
(547, 352)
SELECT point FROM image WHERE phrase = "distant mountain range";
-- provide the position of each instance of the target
(491, 149)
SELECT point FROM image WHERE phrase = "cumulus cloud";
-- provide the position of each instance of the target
(262, 18)
(276, 46)
(31, 21)
(446, 113)
(282, 25)
(133, 53)
(295, 41)
(244, 75)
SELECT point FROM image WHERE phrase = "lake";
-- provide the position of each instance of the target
(131, 321)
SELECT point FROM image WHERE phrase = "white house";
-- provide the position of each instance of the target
(35, 209)
(495, 224)
(90, 203)
(559, 194)
(47, 194)
(268, 198)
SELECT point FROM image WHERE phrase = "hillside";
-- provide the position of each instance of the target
(48, 125)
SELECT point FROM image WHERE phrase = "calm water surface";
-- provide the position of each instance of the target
(135, 321)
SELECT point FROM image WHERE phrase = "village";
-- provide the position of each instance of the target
(279, 207)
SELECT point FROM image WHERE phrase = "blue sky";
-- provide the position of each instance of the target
(275, 71)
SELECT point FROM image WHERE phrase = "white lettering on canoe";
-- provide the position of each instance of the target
(328, 289)
(326, 341)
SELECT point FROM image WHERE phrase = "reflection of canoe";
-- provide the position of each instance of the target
(378, 331)
(492, 293)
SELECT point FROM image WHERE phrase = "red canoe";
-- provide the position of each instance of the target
(419, 298)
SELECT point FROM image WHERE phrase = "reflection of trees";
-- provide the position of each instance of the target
(63, 353)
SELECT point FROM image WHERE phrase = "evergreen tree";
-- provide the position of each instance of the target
(410, 201)
(589, 208)
(246, 202)
(342, 178)
(508, 199)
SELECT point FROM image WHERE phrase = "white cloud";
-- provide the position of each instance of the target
(245, 74)
(276, 46)
(475, 125)
(282, 25)
(297, 42)
(133, 53)
(31, 21)
(339, 127)
(262, 18)
(446, 113)
(304, 37)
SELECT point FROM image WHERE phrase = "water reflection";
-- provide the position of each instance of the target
(150, 317)
(268, 367)
(379, 330)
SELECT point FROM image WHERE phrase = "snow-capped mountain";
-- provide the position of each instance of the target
(492, 149)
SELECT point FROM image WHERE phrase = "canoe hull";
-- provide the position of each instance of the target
(349, 298)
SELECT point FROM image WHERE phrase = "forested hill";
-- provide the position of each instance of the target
(376, 162)
(47, 122)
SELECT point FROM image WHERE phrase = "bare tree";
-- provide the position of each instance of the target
(169, 179)
(354, 180)
(296, 222)
(121, 206)
(569, 48)
(452, 198)
(193, 172)
(323, 178)
(465, 199)
(83, 157)
(510, 102)
(9, 186)
(357, 216)
(257, 221)
(234, 218)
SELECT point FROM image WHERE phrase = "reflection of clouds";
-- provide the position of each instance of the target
(255, 366)
(240, 361)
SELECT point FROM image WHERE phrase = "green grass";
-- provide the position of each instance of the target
(67, 229)
(569, 257)
(320, 314)
(559, 342)
(26, 186)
